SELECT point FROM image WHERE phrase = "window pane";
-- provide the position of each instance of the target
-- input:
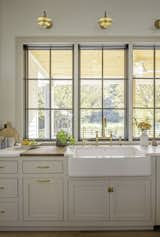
(38, 124)
(38, 64)
(90, 120)
(157, 63)
(143, 93)
(113, 66)
(61, 119)
(38, 93)
(142, 115)
(157, 123)
(61, 64)
(142, 63)
(61, 94)
(113, 92)
(157, 89)
(91, 63)
(91, 94)
(115, 122)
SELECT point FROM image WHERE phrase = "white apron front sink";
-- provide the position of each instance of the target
(108, 161)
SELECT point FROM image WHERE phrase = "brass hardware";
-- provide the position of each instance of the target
(157, 24)
(105, 22)
(2, 188)
(154, 142)
(2, 167)
(111, 138)
(96, 137)
(44, 21)
(120, 140)
(2, 211)
(43, 180)
(110, 190)
(83, 136)
(43, 167)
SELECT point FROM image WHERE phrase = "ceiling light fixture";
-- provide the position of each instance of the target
(44, 21)
(105, 22)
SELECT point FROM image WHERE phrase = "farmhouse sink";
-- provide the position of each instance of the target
(108, 161)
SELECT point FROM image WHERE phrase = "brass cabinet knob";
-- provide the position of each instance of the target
(2, 211)
(110, 189)
(43, 167)
(43, 180)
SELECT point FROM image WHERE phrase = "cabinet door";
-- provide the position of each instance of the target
(158, 191)
(130, 200)
(88, 200)
(43, 198)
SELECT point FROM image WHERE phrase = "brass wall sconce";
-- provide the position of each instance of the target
(157, 24)
(104, 22)
(44, 22)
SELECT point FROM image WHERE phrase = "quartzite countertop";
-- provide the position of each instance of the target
(52, 150)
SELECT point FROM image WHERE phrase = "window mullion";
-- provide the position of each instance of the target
(130, 93)
(50, 89)
(76, 95)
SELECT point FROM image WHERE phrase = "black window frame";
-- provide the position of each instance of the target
(26, 48)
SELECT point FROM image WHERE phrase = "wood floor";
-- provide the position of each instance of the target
(82, 234)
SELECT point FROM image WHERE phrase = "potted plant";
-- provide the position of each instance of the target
(64, 139)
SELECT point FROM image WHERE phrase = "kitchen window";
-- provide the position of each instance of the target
(75, 86)
(102, 86)
(146, 88)
(48, 91)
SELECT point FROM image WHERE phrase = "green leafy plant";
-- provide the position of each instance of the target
(63, 139)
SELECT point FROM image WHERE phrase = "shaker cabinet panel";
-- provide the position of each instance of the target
(130, 200)
(88, 200)
(43, 198)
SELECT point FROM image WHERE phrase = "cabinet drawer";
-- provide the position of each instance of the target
(8, 211)
(8, 167)
(8, 188)
(55, 166)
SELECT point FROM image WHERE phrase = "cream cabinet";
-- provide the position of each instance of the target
(158, 191)
(36, 192)
(124, 200)
(130, 200)
(43, 198)
(88, 200)
(9, 191)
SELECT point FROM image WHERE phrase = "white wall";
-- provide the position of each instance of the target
(71, 18)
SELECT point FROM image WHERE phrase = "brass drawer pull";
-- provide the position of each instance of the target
(110, 190)
(43, 180)
(43, 167)
(2, 211)
(2, 167)
(1, 188)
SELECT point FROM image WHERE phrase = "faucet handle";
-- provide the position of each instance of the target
(120, 140)
(96, 137)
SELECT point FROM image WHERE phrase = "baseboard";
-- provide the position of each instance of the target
(50, 228)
